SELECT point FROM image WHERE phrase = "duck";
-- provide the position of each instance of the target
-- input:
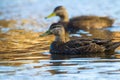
(80, 22)
(82, 46)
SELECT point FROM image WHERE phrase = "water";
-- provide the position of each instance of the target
(25, 56)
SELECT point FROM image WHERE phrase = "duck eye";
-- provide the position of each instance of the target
(53, 27)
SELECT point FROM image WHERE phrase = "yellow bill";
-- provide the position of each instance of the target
(51, 15)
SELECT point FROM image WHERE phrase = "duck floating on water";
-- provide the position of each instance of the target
(82, 46)
(81, 22)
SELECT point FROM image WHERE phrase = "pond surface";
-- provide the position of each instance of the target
(25, 56)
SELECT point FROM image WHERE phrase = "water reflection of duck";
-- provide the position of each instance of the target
(81, 22)
(61, 45)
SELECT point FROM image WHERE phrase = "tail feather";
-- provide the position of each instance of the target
(113, 46)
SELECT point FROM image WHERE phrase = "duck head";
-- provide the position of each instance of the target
(61, 12)
(58, 31)
(55, 29)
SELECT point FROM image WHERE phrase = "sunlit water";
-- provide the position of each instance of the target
(25, 56)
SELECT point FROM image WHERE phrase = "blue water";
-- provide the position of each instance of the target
(36, 63)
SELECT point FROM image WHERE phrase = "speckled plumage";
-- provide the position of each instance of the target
(78, 46)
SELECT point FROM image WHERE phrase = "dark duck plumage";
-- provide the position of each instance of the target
(62, 45)
(81, 22)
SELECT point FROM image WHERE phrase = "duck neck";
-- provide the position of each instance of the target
(64, 17)
(67, 36)
(62, 38)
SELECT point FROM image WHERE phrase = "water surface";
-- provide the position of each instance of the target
(25, 56)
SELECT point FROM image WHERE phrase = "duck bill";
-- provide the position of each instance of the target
(46, 33)
(51, 15)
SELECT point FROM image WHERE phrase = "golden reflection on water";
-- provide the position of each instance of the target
(7, 23)
(18, 46)
(22, 52)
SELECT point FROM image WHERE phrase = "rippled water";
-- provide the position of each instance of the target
(25, 56)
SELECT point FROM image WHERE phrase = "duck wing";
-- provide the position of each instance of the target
(84, 46)
(108, 44)
(111, 46)
(87, 22)
(77, 47)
